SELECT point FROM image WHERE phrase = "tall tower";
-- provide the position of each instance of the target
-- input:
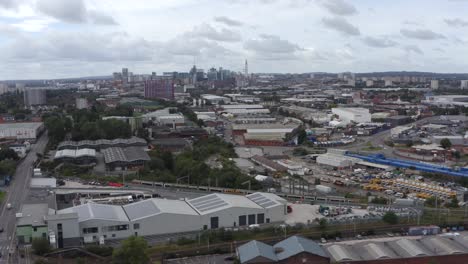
(246, 69)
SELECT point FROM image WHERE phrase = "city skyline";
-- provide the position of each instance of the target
(48, 39)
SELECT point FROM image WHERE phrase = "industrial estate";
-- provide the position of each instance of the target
(209, 162)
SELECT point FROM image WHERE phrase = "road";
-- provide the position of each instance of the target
(16, 194)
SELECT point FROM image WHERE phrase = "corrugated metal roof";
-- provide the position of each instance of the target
(97, 211)
(295, 245)
(217, 201)
(129, 154)
(156, 206)
(340, 253)
(255, 249)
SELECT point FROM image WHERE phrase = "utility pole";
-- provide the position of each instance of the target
(247, 182)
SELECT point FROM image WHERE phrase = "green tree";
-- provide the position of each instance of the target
(446, 143)
(40, 246)
(323, 224)
(132, 251)
(453, 203)
(430, 202)
(390, 218)
(301, 136)
(300, 152)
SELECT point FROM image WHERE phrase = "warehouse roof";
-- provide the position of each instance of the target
(243, 106)
(27, 125)
(266, 200)
(295, 245)
(91, 211)
(33, 214)
(217, 202)
(269, 163)
(130, 154)
(151, 207)
(43, 182)
(103, 142)
(75, 153)
(256, 249)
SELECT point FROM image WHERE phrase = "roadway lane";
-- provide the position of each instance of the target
(16, 194)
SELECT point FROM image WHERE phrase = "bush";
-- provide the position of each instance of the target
(390, 218)
(100, 250)
(40, 246)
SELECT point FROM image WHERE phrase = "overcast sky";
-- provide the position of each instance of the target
(72, 38)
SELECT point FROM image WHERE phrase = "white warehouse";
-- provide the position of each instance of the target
(21, 131)
(161, 216)
(352, 114)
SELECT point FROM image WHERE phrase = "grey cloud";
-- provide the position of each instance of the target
(413, 48)
(339, 7)
(456, 22)
(423, 34)
(228, 21)
(341, 25)
(379, 42)
(101, 19)
(271, 44)
(55, 46)
(9, 4)
(208, 32)
(72, 11)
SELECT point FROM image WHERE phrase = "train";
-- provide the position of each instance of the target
(287, 196)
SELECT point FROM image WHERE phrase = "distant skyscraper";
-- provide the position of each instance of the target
(34, 97)
(246, 69)
(162, 89)
(434, 84)
(125, 74)
(464, 84)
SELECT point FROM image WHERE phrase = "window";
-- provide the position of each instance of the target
(136, 226)
(214, 222)
(44, 235)
(59, 227)
(136, 233)
(35, 229)
(113, 235)
(205, 227)
(260, 218)
(90, 230)
(268, 220)
(251, 219)
(242, 220)
(114, 228)
(105, 236)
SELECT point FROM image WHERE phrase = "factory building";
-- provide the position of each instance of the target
(352, 114)
(118, 159)
(21, 131)
(92, 222)
(79, 156)
(103, 143)
(215, 99)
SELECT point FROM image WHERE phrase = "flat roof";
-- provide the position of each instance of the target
(43, 183)
(28, 125)
(33, 214)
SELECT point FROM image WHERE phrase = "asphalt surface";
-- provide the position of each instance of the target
(16, 195)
